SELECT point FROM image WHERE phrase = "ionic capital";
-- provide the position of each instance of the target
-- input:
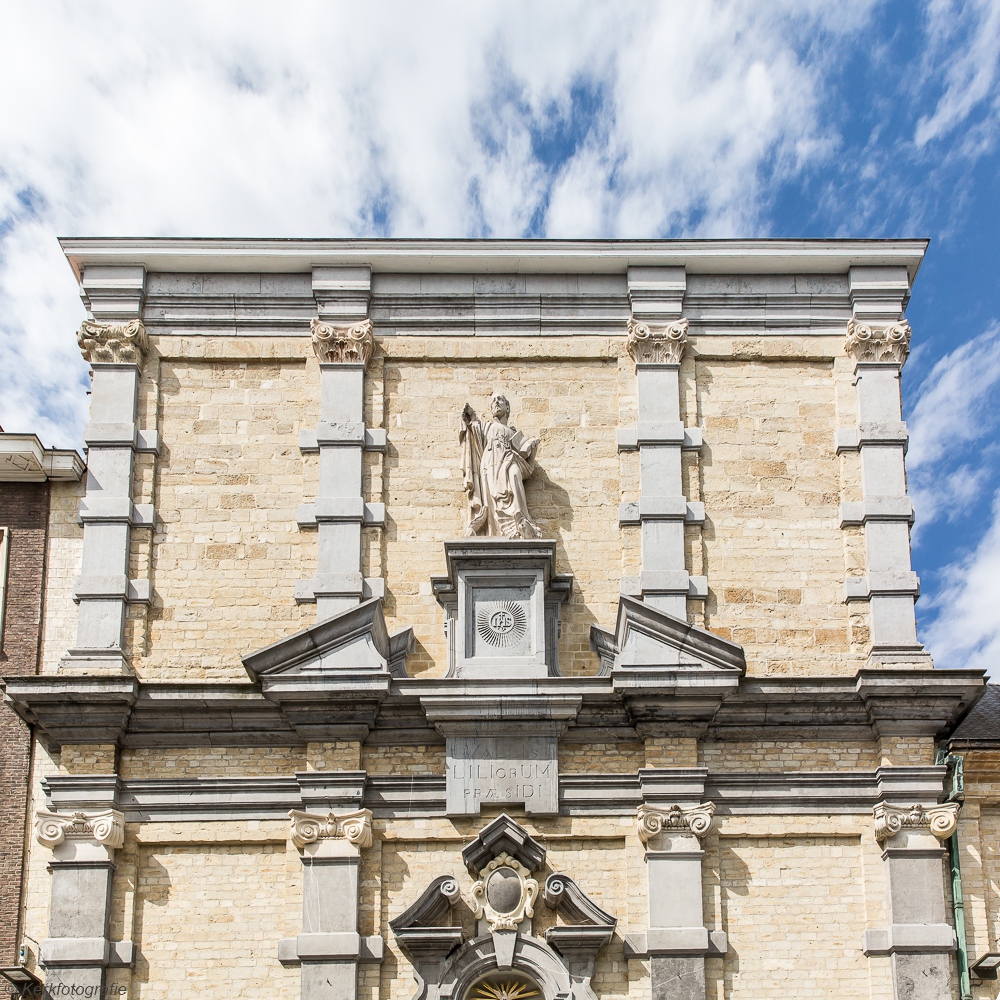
(342, 344)
(354, 827)
(888, 343)
(113, 343)
(106, 827)
(693, 819)
(664, 345)
(939, 820)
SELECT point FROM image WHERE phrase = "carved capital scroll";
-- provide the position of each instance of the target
(342, 344)
(694, 819)
(113, 343)
(888, 343)
(107, 827)
(939, 820)
(354, 827)
(664, 345)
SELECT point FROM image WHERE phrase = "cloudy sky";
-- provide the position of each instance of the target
(630, 119)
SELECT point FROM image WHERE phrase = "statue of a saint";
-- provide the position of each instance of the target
(496, 460)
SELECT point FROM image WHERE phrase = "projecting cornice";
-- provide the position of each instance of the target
(495, 256)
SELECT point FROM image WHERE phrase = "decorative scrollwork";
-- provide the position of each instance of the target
(940, 820)
(354, 827)
(889, 343)
(113, 343)
(492, 896)
(343, 344)
(654, 820)
(662, 346)
(107, 827)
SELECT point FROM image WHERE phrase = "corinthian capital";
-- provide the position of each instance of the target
(888, 343)
(940, 820)
(664, 345)
(354, 827)
(694, 819)
(106, 827)
(113, 343)
(342, 344)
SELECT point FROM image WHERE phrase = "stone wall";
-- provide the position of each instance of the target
(24, 511)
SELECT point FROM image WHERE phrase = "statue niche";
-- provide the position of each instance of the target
(496, 460)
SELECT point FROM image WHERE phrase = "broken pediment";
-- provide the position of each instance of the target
(503, 836)
(331, 678)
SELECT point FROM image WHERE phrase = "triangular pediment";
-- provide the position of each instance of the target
(355, 639)
(647, 638)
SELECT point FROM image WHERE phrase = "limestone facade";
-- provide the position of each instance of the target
(297, 735)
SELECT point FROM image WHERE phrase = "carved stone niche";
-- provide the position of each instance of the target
(502, 600)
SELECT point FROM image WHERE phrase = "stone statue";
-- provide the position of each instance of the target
(496, 460)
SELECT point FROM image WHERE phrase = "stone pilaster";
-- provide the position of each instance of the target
(657, 337)
(339, 512)
(330, 947)
(78, 951)
(676, 940)
(878, 342)
(116, 351)
(918, 938)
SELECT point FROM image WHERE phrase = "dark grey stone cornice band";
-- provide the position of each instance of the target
(151, 800)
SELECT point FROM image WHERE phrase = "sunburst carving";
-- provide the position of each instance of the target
(513, 989)
(501, 623)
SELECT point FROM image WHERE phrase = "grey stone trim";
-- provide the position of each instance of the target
(87, 951)
(503, 836)
(374, 439)
(144, 800)
(431, 906)
(661, 509)
(637, 943)
(915, 938)
(343, 947)
(876, 508)
(628, 438)
(861, 588)
(563, 894)
(340, 509)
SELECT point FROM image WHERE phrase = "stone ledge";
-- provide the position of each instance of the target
(374, 440)
(876, 508)
(661, 509)
(631, 438)
(339, 585)
(912, 938)
(346, 946)
(334, 509)
(676, 941)
(861, 588)
(87, 951)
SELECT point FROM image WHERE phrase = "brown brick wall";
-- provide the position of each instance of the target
(24, 509)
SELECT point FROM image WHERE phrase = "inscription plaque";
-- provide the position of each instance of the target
(495, 770)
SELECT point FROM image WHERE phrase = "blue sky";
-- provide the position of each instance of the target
(627, 119)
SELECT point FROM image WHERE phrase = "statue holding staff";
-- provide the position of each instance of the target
(496, 460)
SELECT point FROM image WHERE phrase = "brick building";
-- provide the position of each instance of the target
(482, 619)
(26, 468)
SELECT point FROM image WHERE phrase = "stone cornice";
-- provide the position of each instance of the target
(355, 827)
(343, 344)
(113, 343)
(654, 820)
(939, 820)
(107, 827)
(738, 256)
(889, 344)
(660, 345)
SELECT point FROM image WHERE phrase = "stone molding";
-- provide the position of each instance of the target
(342, 344)
(890, 344)
(113, 343)
(354, 827)
(504, 920)
(940, 820)
(663, 345)
(107, 827)
(655, 819)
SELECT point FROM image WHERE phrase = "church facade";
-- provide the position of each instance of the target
(484, 620)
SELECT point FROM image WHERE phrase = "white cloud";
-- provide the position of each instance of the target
(966, 628)
(958, 404)
(618, 119)
(969, 70)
